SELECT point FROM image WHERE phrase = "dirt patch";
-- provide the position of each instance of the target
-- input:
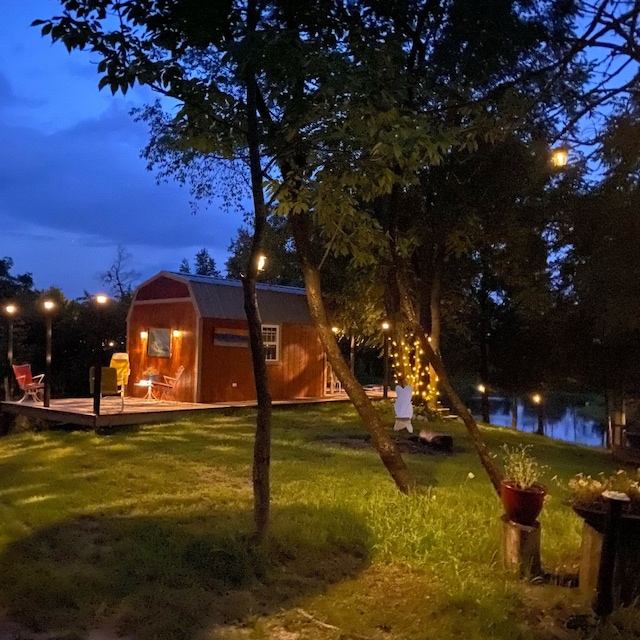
(405, 444)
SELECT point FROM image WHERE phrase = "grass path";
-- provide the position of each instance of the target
(144, 534)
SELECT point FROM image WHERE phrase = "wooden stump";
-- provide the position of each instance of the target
(520, 547)
(626, 576)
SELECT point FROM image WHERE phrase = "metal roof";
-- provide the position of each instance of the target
(222, 298)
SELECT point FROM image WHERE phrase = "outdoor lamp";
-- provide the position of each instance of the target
(101, 300)
(48, 307)
(537, 399)
(176, 333)
(335, 329)
(559, 157)
(385, 383)
(481, 388)
(10, 310)
(262, 261)
(144, 335)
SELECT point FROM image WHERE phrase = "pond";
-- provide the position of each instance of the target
(562, 419)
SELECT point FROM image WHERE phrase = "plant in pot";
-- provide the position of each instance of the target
(521, 491)
(150, 373)
(591, 498)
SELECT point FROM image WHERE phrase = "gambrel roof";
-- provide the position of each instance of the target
(222, 298)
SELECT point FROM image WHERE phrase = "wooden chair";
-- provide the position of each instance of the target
(108, 383)
(165, 390)
(31, 386)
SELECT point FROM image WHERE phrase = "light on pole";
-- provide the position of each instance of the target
(99, 300)
(485, 407)
(537, 400)
(48, 308)
(10, 310)
(385, 350)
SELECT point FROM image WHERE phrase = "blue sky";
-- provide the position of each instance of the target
(72, 185)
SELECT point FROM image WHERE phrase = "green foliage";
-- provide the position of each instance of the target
(586, 491)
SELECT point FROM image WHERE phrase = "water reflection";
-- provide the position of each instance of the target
(561, 421)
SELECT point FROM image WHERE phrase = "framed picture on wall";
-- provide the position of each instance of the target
(159, 344)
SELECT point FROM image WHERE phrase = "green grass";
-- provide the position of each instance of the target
(147, 532)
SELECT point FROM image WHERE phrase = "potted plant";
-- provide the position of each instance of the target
(521, 491)
(590, 498)
(150, 373)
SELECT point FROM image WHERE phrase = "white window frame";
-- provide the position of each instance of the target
(269, 343)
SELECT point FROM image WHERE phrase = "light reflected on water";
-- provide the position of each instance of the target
(562, 422)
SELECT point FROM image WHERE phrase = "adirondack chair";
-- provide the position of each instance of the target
(165, 390)
(31, 386)
(108, 383)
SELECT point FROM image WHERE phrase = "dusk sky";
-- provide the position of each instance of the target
(72, 184)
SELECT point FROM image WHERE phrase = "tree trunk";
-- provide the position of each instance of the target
(436, 324)
(460, 408)
(406, 310)
(383, 444)
(262, 444)
(484, 349)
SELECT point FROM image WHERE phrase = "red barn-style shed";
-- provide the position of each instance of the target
(199, 322)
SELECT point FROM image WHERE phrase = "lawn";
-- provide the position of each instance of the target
(145, 533)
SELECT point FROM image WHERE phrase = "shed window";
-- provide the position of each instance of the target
(271, 341)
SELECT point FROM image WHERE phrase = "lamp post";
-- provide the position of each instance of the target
(537, 400)
(100, 300)
(385, 352)
(10, 310)
(48, 308)
(485, 408)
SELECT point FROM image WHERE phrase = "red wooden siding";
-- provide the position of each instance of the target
(227, 371)
(162, 288)
(179, 316)
(298, 373)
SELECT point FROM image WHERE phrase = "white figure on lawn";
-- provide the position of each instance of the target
(403, 406)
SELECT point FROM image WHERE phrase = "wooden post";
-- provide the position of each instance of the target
(603, 604)
(520, 547)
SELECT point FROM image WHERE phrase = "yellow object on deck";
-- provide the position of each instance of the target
(120, 362)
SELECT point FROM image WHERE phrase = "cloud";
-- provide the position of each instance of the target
(90, 179)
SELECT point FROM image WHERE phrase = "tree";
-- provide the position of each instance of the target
(184, 266)
(120, 277)
(303, 91)
(157, 44)
(205, 265)
(281, 265)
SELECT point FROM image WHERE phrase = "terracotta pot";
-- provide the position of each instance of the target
(522, 505)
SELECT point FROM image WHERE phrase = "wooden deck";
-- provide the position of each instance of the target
(79, 411)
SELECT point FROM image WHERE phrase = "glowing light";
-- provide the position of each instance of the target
(385, 326)
(335, 329)
(262, 261)
(176, 333)
(144, 335)
(49, 304)
(481, 388)
(560, 157)
(11, 309)
(537, 398)
(101, 298)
